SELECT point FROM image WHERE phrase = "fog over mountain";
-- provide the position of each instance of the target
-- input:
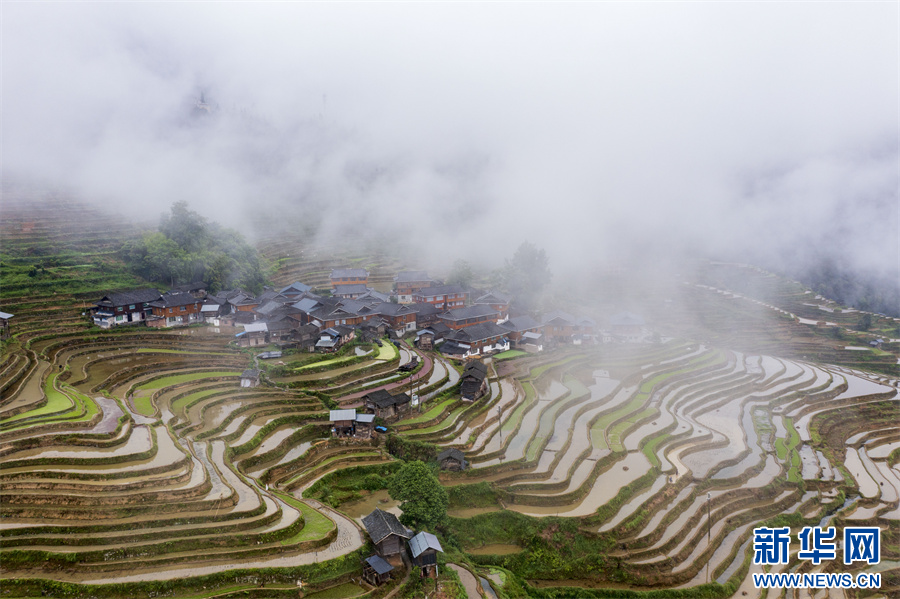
(763, 132)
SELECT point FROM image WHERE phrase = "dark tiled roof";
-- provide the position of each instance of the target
(521, 323)
(452, 349)
(559, 315)
(178, 299)
(126, 298)
(379, 565)
(476, 311)
(475, 366)
(355, 289)
(250, 374)
(452, 453)
(477, 332)
(494, 297)
(294, 288)
(440, 290)
(423, 308)
(188, 287)
(380, 524)
(389, 309)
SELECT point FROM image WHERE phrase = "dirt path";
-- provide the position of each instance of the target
(468, 580)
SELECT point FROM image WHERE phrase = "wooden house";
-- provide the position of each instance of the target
(175, 309)
(498, 302)
(4, 324)
(254, 335)
(250, 378)
(473, 382)
(376, 571)
(519, 327)
(349, 276)
(444, 297)
(423, 549)
(426, 314)
(124, 307)
(349, 291)
(342, 422)
(295, 290)
(400, 319)
(408, 282)
(452, 459)
(365, 424)
(384, 405)
(474, 340)
(459, 318)
(386, 532)
(628, 327)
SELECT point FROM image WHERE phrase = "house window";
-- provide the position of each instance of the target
(119, 308)
(184, 308)
(131, 307)
(170, 310)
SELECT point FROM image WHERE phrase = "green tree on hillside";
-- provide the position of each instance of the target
(189, 248)
(423, 500)
(526, 275)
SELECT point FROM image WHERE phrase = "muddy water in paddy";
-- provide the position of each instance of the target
(867, 486)
(881, 452)
(138, 442)
(31, 392)
(361, 508)
(605, 488)
(295, 452)
(634, 503)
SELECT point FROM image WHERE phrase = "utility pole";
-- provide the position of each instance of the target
(708, 534)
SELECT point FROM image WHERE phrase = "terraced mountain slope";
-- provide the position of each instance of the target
(132, 461)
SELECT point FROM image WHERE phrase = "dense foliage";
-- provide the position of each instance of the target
(526, 275)
(189, 248)
(424, 500)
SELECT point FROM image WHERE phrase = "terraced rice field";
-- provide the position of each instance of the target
(135, 457)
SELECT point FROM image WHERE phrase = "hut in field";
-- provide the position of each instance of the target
(452, 459)
(423, 549)
(386, 532)
(376, 571)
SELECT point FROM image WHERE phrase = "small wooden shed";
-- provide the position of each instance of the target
(376, 571)
(386, 532)
(423, 549)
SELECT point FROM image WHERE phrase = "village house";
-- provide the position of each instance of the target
(376, 571)
(452, 459)
(473, 382)
(349, 291)
(459, 318)
(423, 550)
(563, 328)
(124, 307)
(432, 336)
(374, 328)
(408, 282)
(426, 314)
(250, 378)
(475, 339)
(519, 327)
(386, 532)
(399, 318)
(295, 290)
(4, 324)
(342, 422)
(175, 309)
(365, 423)
(254, 335)
(443, 297)
(195, 288)
(334, 337)
(498, 302)
(305, 337)
(349, 276)
(627, 327)
(386, 406)
(241, 301)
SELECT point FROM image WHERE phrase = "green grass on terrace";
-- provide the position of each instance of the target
(315, 525)
(151, 350)
(187, 399)
(431, 413)
(512, 353)
(184, 378)
(144, 406)
(57, 403)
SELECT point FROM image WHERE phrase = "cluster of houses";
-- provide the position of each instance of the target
(444, 317)
(392, 542)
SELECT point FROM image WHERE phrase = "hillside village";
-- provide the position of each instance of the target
(458, 322)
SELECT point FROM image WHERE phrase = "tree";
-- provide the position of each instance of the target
(423, 500)
(461, 274)
(526, 275)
